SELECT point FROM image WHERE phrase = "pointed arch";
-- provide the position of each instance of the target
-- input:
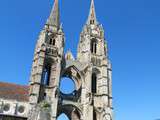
(46, 73)
(62, 116)
(74, 73)
(94, 45)
(94, 78)
(52, 41)
(71, 111)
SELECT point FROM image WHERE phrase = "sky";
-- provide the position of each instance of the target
(132, 29)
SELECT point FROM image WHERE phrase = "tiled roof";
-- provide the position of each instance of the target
(14, 92)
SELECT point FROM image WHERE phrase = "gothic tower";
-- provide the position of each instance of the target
(47, 64)
(92, 50)
(90, 71)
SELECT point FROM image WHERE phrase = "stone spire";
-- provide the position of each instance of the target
(92, 14)
(54, 18)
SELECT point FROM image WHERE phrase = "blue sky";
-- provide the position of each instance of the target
(132, 29)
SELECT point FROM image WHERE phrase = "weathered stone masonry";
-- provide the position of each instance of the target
(91, 72)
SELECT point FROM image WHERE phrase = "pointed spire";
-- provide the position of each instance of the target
(92, 14)
(54, 18)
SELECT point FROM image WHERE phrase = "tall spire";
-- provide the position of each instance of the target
(54, 18)
(92, 14)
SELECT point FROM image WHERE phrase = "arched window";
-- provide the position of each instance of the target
(52, 41)
(93, 46)
(91, 21)
(46, 75)
(94, 83)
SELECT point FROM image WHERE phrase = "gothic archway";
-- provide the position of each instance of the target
(72, 73)
(62, 116)
(71, 111)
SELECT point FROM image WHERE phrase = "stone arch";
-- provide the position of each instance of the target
(73, 73)
(62, 116)
(72, 111)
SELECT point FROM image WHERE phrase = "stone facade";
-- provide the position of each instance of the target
(91, 72)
